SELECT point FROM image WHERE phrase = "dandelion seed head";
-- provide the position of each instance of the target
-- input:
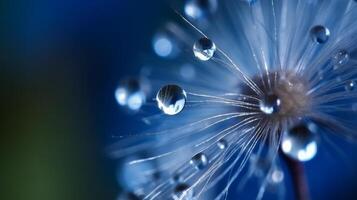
(274, 79)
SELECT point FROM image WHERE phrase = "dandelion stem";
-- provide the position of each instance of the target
(297, 172)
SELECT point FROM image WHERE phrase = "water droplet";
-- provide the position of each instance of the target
(320, 34)
(182, 191)
(171, 99)
(350, 85)
(204, 49)
(340, 58)
(129, 93)
(199, 161)
(222, 144)
(276, 176)
(300, 143)
(164, 45)
(270, 104)
(198, 9)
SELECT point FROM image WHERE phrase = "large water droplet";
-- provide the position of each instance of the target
(270, 104)
(199, 161)
(130, 94)
(198, 9)
(300, 143)
(320, 34)
(350, 85)
(182, 191)
(171, 99)
(340, 58)
(204, 49)
(222, 144)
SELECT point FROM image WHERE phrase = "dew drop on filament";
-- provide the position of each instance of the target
(299, 143)
(270, 104)
(182, 191)
(171, 99)
(199, 161)
(350, 85)
(320, 34)
(222, 144)
(204, 49)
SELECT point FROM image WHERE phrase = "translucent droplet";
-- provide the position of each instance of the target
(204, 49)
(270, 104)
(320, 34)
(276, 176)
(199, 161)
(164, 45)
(222, 144)
(340, 58)
(198, 9)
(182, 191)
(350, 85)
(300, 143)
(130, 94)
(171, 99)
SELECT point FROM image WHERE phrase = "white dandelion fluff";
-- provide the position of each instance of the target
(256, 82)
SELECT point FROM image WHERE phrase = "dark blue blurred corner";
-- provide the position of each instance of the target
(60, 63)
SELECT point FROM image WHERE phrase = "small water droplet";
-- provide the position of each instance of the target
(276, 176)
(164, 45)
(171, 99)
(204, 49)
(182, 191)
(129, 93)
(320, 34)
(199, 161)
(270, 104)
(340, 58)
(198, 9)
(350, 85)
(299, 143)
(222, 144)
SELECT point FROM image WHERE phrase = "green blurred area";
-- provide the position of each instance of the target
(50, 149)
